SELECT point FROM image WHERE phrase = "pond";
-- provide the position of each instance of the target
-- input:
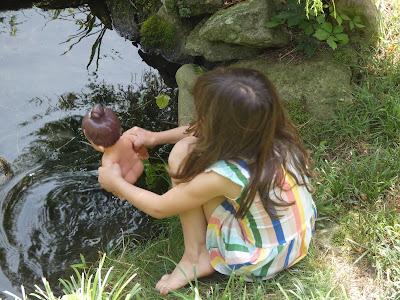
(52, 208)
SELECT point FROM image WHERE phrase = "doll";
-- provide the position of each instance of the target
(103, 130)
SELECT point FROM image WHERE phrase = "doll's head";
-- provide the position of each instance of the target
(101, 127)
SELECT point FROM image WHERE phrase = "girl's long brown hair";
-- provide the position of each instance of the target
(240, 117)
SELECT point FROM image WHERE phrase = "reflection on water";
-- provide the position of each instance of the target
(52, 210)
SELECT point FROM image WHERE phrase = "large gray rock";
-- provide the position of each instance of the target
(186, 77)
(191, 8)
(196, 45)
(318, 83)
(244, 24)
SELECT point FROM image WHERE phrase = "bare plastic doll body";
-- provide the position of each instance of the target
(123, 154)
(103, 130)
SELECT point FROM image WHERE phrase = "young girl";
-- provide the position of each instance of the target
(102, 128)
(239, 182)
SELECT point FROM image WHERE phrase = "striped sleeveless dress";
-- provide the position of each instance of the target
(258, 247)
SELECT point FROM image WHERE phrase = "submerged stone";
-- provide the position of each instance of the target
(244, 24)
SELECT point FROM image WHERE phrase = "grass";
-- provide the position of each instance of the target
(356, 251)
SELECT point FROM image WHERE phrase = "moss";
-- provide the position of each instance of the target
(156, 32)
(146, 8)
(184, 12)
(170, 5)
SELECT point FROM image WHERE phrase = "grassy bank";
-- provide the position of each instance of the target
(356, 251)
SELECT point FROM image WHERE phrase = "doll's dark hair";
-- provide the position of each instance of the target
(101, 126)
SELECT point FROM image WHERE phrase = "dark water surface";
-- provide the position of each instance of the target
(52, 210)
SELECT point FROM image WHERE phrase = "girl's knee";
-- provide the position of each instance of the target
(179, 152)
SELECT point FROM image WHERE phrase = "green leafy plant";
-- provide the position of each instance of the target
(157, 32)
(324, 23)
(87, 285)
(156, 174)
(162, 101)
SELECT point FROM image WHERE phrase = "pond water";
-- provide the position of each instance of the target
(52, 209)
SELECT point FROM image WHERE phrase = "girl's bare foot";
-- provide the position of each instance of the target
(163, 278)
(186, 271)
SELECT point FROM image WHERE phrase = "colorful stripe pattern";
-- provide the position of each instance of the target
(257, 246)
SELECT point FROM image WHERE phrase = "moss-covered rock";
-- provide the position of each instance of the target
(244, 24)
(175, 53)
(186, 77)
(191, 8)
(196, 45)
(156, 32)
(146, 8)
(318, 83)
(123, 15)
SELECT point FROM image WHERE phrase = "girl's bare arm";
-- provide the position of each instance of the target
(185, 196)
(141, 137)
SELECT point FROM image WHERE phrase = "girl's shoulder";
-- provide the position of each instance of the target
(234, 170)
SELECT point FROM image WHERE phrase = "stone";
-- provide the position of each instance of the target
(186, 77)
(191, 8)
(366, 9)
(196, 45)
(5, 171)
(100, 10)
(58, 4)
(177, 53)
(244, 24)
(317, 83)
(123, 15)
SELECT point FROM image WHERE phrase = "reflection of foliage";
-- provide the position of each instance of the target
(157, 33)
(135, 105)
(9, 24)
(88, 26)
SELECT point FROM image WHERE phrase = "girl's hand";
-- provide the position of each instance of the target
(141, 138)
(109, 176)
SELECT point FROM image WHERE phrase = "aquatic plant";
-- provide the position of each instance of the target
(157, 32)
